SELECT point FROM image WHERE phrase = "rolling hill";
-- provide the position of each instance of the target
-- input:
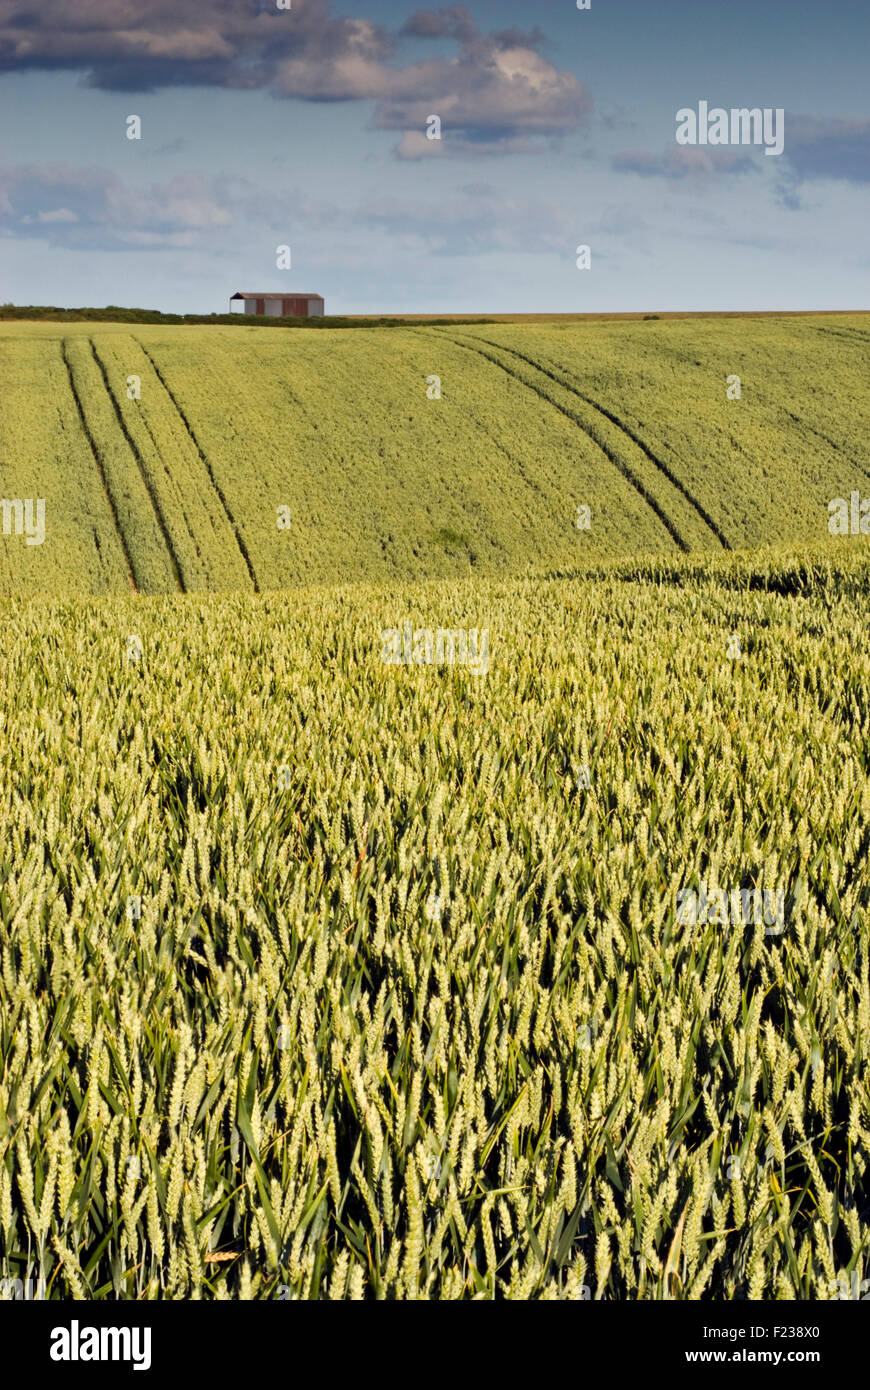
(167, 456)
(334, 966)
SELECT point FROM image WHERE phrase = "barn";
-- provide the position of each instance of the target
(280, 306)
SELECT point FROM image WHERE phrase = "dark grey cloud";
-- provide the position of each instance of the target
(495, 90)
(451, 22)
(828, 148)
(140, 45)
(457, 22)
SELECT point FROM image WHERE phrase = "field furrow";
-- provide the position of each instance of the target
(193, 523)
(138, 521)
(46, 468)
(614, 454)
(98, 464)
(658, 463)
(756, 475)
(240, 541)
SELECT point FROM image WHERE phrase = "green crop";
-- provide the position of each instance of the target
(239, 459)
(321, 977)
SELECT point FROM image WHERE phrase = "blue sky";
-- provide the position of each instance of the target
(306, 127)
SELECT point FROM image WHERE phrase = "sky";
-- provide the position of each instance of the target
(306, 126)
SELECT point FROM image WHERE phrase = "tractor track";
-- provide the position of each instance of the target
(848, 335)
(623, 468)
(240, 541)
(158, 452)
(663, 468)
(140, 462)
(132, 579)
(826, 440)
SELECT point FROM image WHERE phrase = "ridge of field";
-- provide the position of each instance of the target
(52, 313)
(323, 977)
(114, 313)
(180, 487)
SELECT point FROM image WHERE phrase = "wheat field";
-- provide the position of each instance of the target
(328, 977)
(243, 459)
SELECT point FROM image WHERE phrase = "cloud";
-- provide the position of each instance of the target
(453, 22)
(685, 163)
(415, 145)
(87, 208)
(495, 89)
(815, 148)
(480, 221)
(140, 45)
(91, 208)
(487, 96)
(58, 215)
(176, 146)
(827, 148)
(456, 22)
(617, 118)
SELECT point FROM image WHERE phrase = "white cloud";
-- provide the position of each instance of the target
(415, 145)
(57, 215)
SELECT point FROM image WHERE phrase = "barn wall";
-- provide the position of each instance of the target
(288, 306)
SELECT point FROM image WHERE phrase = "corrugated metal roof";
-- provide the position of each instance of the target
(276, 294)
